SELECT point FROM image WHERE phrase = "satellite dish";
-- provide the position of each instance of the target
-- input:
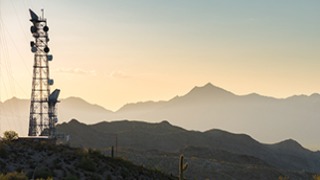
(49, 57)
(34, 49)
(33, 29)
(46, 49)
(50, 82)
(34, 16)
(46, 28)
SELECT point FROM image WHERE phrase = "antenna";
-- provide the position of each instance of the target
(42, 10)
(43, 116)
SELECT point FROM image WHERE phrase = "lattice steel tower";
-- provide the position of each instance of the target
(42, 109)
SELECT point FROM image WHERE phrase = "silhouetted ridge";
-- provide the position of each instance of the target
(166, 123)
(222, 133)
(315, 95)
(210, 89)
(13, 99)
(207, 92)
(81, 104)
(74, 99)
(289, 144)
(73, 122)
(257, 97)
(148, 105)
(165, 137)
(231, 140)
(125, 126)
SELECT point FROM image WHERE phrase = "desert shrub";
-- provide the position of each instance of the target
(13, 176)
(109, 177)
(43, 173)
(10, 135)
(87, 164)
(3, 166)
(57, 163)
(32, 164)
(94, 176)
(81, 152)
(283, 178)
(125, 173)
(71, 177)
(95, 153)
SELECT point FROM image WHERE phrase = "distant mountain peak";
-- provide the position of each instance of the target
(209, 85)
(209, 90)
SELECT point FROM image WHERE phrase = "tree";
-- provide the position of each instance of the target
(10, 135)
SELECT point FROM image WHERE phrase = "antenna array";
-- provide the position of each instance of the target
(43, 115)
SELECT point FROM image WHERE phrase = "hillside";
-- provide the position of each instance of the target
(158, 144)
(43, 160)
(209, 106)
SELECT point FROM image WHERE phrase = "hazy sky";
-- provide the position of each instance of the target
(114, 52)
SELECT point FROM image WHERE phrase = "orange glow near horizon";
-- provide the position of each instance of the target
(112, 53)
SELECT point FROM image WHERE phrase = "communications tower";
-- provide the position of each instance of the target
(42, 108)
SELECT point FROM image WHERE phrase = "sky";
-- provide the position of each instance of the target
(116, 52)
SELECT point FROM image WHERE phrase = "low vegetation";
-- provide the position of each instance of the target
(10, 135)
(214, 154)
(28, 159)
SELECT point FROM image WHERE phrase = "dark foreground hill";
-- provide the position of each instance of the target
(42, 160)
(211, 154)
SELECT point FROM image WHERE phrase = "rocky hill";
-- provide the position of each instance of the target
(214, 153)
(41, 159)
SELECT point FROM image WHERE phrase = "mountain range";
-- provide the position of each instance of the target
(213, 154)
(265, 118)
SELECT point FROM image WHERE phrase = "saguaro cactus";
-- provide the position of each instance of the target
(182, 167)
(112, 152)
